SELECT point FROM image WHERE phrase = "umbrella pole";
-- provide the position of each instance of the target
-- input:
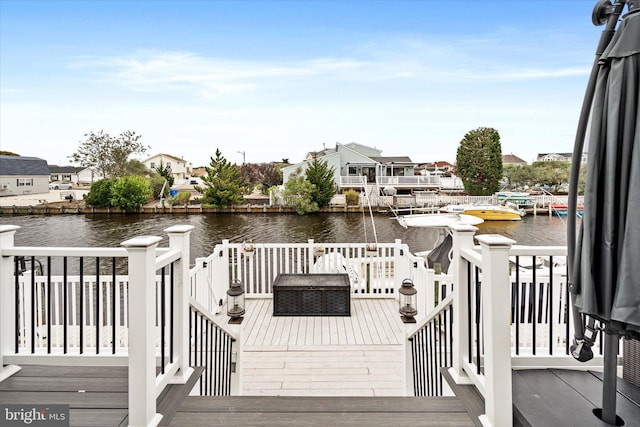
(609, 380)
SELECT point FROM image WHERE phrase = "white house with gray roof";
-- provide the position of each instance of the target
(356, 165)
(23, 175)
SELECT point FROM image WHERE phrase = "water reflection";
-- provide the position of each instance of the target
(211, 229)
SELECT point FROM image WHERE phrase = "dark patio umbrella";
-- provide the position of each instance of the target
(606, 270)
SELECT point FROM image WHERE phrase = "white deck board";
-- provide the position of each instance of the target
(357, 355)
(372, 322)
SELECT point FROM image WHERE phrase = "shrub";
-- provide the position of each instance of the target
(156, 182)
(99, 195)
(130, 192)
(181, 199)
(352, 197)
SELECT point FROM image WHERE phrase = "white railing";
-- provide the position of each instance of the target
(507, 317)
(412, 181)
(135, 313)
(374, 270)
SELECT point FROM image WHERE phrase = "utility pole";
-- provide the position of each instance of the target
(243, 156)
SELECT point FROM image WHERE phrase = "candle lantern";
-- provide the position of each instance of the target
(407, 301)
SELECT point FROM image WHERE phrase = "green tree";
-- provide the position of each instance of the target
(130, 192)
(552, 173)
(136, 167)
(321, 175)
(109, 155)
(223, 184)
(164, 171)
(99, 195)
(518, 176)
(479, 161)
(298, 193)
(263, 175)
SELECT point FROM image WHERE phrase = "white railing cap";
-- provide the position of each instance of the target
(141, 242)
(179, 228)
(7, 228)
(494, 240)
(463, 227)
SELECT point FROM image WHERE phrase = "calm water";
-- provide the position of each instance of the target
(99, 230)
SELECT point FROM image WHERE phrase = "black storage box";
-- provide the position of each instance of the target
(312, 295)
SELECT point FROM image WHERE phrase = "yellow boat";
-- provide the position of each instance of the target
(487, 212)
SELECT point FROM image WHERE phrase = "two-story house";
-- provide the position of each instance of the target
(361, 167)
(180, 168)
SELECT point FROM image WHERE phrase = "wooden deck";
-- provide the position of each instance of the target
(358, 355)
(322, 412)
(373, 321)
(97, 395)
(558, 397)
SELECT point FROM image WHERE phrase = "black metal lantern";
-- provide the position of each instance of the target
(407, 299)
(235, 302)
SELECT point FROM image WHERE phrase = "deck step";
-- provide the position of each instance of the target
(269, 411)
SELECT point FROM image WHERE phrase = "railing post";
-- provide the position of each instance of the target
(179, 240)
(400, 264)
(223, 274)
(496, 307)
(310, 250)
(237, 348)
(462, 239)
(142, 346)
(7, 301)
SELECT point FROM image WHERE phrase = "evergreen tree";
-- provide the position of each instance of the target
(479, 161)
(321, 175)
(298, 193)
(164, 171)
(223, 184)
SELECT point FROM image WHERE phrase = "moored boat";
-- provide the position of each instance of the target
(487, 212)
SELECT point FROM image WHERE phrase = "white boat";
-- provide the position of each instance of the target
(440, 220)
(487, 212)
(441, 252)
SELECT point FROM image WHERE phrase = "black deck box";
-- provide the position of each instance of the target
(312, 295)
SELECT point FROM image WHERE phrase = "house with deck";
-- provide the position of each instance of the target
(23, 175)
(364, 168)
(315, 333)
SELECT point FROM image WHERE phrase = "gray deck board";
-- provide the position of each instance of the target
(469, 396)
(321, 411)
(555, 397)
(354, 419)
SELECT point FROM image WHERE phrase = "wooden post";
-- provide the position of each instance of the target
(496, 307)
(7, 301)
(462, 239)
(142, 349)
(179, 240)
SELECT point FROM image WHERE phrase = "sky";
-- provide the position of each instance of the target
(271, 80)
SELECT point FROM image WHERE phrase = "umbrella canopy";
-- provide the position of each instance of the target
(606, 272)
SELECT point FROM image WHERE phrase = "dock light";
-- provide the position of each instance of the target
(235, 302)
(407, 301)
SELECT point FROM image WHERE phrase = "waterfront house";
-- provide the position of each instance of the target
(562, 157)
(364, 168)
(180, 168)
(76, 175)
(23, 175)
